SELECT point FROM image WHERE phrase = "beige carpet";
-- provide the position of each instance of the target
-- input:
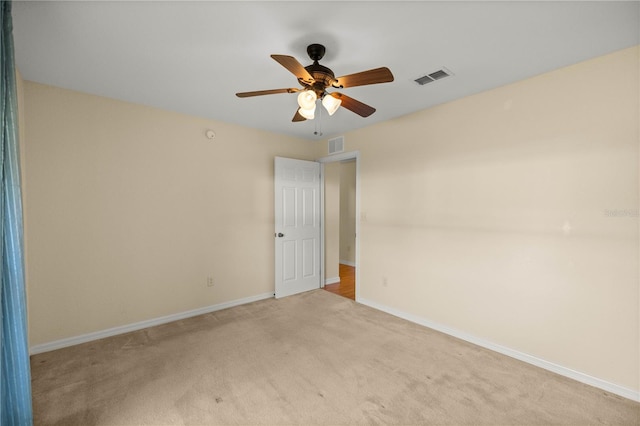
(314, 358)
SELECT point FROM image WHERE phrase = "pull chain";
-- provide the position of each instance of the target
(318, 123)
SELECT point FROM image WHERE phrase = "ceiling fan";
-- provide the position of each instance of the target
(315, 79)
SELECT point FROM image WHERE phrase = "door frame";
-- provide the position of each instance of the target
(352, 155)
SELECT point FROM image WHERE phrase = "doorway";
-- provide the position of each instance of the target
(340, 210)
(346, 286)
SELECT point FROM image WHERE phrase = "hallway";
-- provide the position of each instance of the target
(347, 285)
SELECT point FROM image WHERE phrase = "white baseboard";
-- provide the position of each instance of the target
(84, 338)
(332, 280)
(348, 263)
(558, 369)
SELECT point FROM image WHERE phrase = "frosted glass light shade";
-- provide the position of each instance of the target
(331, 104)
(308, 113)
(307, 99)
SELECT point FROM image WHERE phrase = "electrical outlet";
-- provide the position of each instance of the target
(209, 281)
(384, 281)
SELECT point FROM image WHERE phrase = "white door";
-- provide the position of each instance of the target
(297, 236)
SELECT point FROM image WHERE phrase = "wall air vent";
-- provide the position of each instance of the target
(336, 145)
(433, 76)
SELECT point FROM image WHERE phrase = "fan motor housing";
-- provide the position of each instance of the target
(322, 75)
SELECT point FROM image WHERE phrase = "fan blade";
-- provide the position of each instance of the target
(298, 117)
(375, 76)
(265, 92)
(295, 67)
(351, 104)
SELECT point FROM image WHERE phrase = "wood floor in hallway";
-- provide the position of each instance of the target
(347, 285)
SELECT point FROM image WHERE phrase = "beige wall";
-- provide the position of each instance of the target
(489, 215)
(130, 208)
(331, 220)
(348, 212)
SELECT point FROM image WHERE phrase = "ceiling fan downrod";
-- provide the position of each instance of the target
(316, 51)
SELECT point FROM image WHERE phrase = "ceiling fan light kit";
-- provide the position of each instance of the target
(308, 113)
(331, 104)
(307, 99)
(315, 79)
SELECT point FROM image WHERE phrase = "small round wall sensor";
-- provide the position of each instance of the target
(210, 134)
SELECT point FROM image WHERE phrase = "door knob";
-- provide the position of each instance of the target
(280, 235)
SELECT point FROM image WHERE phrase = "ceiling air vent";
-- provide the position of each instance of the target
(436, 75)
(336, 145)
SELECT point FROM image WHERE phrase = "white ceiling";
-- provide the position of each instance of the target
(192, 57)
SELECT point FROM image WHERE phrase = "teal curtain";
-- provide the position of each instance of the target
(15, 375)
